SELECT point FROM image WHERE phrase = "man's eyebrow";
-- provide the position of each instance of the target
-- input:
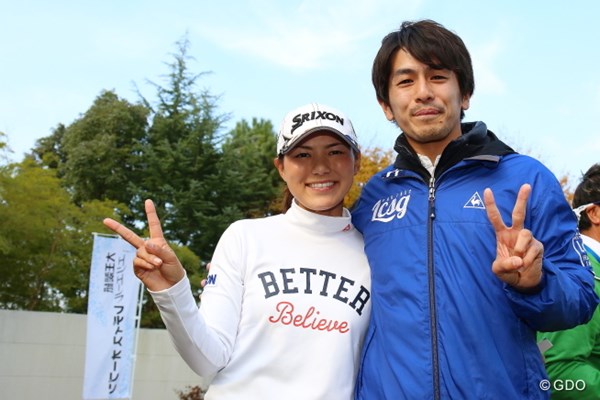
(408, 71)
(404, 71)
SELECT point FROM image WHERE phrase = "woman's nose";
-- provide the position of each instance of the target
(321, 165)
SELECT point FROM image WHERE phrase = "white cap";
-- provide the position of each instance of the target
(310, 118)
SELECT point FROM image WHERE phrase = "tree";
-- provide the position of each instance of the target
(103, 150)
(98, 156)
(48, 150)
(249, 180)
(45, 240)
(181, 158)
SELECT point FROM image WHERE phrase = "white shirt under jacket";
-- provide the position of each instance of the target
(284, 314)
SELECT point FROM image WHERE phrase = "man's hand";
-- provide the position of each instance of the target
(518, 254)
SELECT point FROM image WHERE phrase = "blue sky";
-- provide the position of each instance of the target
(536, 78)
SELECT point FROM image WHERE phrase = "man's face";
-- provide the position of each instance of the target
(426, 104)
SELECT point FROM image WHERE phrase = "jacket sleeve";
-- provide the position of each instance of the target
(205, 336)
(566, 295)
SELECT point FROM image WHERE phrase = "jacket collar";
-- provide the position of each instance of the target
(476, 140)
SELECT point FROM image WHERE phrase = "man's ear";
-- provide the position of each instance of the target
(593, 214)
(387, 110)
(466, 102)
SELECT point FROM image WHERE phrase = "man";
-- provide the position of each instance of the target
(573, 361)
(462, 276)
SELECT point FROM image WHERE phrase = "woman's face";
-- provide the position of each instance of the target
(319, 171)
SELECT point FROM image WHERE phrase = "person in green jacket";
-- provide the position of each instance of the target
(573, 361)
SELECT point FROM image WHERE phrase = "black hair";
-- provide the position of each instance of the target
(430, 43)
(588, 191)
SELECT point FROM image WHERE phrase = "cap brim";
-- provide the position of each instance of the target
(297, 139)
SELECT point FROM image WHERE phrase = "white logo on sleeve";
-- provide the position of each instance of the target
(475, 202)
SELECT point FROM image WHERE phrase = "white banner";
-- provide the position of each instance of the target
(111, 320)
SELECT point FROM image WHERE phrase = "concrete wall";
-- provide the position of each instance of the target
(42, 356)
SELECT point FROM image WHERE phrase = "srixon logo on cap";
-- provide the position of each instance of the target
(302, 118)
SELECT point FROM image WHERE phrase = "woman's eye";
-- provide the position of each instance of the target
(301, 155)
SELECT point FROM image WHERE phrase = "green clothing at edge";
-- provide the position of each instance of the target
(575, 354)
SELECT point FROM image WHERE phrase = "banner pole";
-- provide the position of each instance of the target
(138, 322)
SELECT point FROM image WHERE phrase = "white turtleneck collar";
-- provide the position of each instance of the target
(426, 162)
(317, 222)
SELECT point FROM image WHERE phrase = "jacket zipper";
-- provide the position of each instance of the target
(432, 302)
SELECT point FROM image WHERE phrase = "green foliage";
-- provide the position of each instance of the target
(102, 150)
(249, 180)
(45, 240)
(48, 150)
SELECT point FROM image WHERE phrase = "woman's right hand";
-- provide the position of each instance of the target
(155, 264)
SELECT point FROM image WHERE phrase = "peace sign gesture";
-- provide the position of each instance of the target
(155, 264)
(518, 254)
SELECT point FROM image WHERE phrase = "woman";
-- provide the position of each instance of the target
(287, 306)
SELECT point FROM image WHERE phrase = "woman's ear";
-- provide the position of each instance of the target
(278, 162)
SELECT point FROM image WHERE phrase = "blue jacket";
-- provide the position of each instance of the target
(443, 325)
